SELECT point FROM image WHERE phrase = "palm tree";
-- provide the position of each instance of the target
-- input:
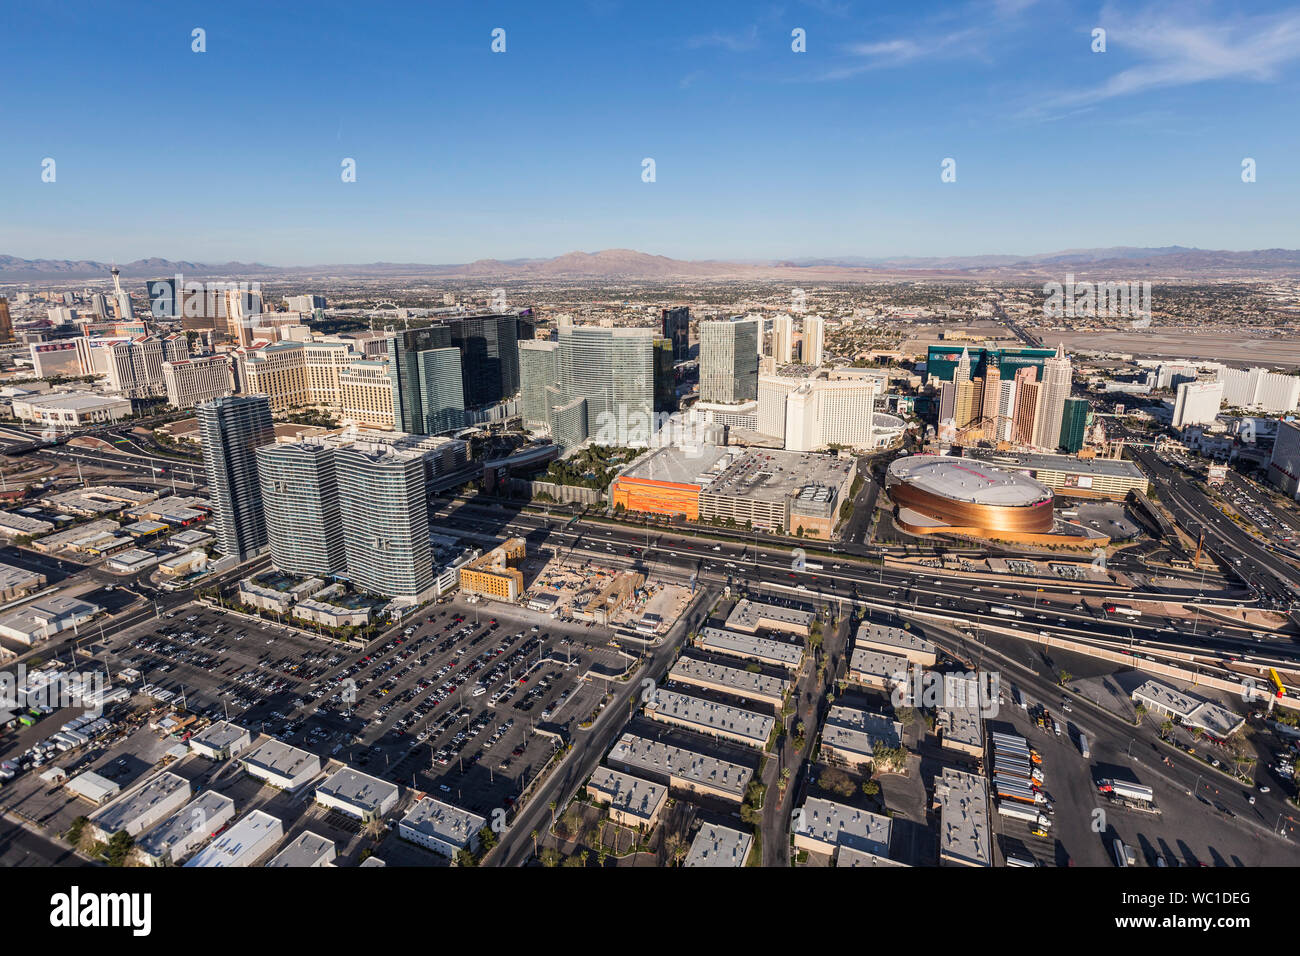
(671, 844)
(534, 843)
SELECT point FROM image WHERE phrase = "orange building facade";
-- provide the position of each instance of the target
(657, 497)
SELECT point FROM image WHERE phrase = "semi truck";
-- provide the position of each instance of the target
(1083, 745)
(1018, 812)
(1016, 770)
(1005, 611)
(1013, 791)
(1126, 790)
(1009, 743)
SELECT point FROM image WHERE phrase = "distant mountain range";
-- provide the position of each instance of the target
(1172, 262)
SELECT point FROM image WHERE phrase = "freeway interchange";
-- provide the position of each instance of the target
(1059, 607)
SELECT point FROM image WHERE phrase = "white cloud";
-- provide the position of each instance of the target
(1178, 50)
(740, 42)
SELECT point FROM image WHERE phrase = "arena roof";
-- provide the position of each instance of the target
(965, 479)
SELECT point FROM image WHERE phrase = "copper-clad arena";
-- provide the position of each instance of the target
(934, 491)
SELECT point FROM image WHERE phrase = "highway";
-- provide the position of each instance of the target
(1147, 757)
(1276, 582)
(1057, 607)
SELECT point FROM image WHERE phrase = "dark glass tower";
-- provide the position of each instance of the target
(232, 429)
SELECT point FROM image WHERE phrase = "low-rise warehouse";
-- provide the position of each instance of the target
(876, 670)
(747, 646)
(708, 717)
(254, 836)
(850, 736)
(41, 619)
(822, 826)
(308, 851)
(681, 768)
(716, 845)
(92, 787)
(280, 765)
(141, 807)
(962, 726)
(357, 794)
(963, 809)
(16, 582)
(1190, 710)
(753, 616)
(633, 801)
(441, 827)
(186, 830)
(897, 641)
(729, 680)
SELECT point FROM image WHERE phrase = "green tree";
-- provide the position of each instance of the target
(118, 848)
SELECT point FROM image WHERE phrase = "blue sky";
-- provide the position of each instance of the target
(760, 152)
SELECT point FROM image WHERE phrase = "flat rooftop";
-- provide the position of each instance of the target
(858, 731)
(359, 789)
(881, 636)
(716, 845)
(76, 401)
(710, 717)
(198, 815)
(748, 645)
(92, 786)
(276, 757)
(969, 480)
(877, 664)
(963, 800)
(443, 821)
(962, 725)
(664, 759)
(633, 795)
(774, 475)
(743, 683)
(220, 735)
(306, 851)
(12, 577)
(749, 615)
(829, 822)
(37, 616)
(1194, 711)
(255, 829)
(129, 807)
(679, 466)
(1098, 467)
(852, 856)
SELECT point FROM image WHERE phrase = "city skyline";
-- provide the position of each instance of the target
(797, 436)
(759, 151)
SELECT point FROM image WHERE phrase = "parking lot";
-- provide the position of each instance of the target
(1254, 507)
(1182, 834)
(469, 702)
